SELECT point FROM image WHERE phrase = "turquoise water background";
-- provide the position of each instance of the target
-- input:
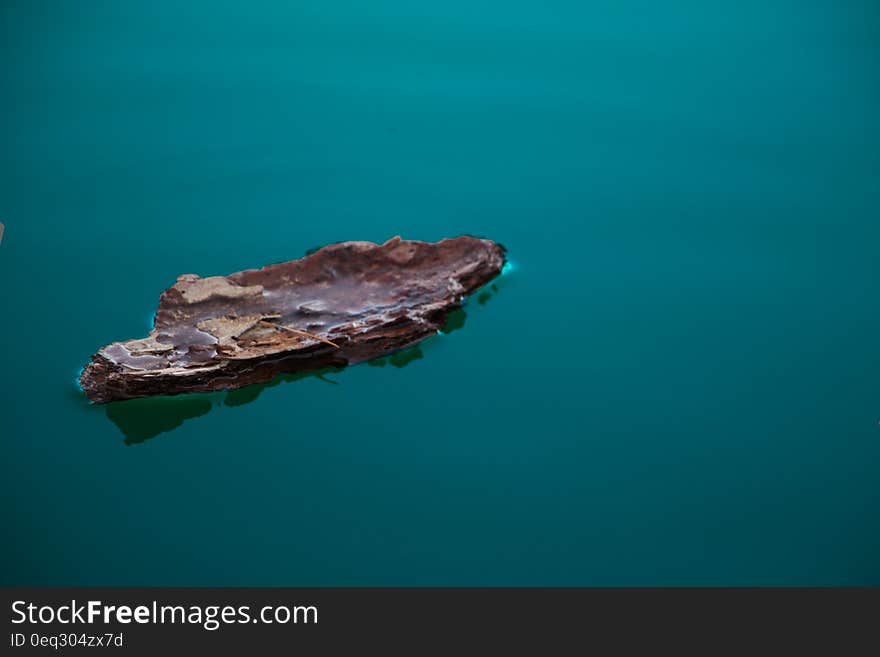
(677, 383)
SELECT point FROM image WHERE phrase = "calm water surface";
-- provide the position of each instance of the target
(678, 383)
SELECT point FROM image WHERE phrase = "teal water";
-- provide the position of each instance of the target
(678, 383)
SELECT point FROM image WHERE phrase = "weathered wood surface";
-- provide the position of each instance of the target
(343, 304)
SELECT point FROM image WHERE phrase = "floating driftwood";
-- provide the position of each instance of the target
(343, 304)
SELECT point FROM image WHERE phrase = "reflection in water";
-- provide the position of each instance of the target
(242, 396)
(142, 419)
(486, 293)
(398, 359)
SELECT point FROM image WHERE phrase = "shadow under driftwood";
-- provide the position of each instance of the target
(142, 419)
